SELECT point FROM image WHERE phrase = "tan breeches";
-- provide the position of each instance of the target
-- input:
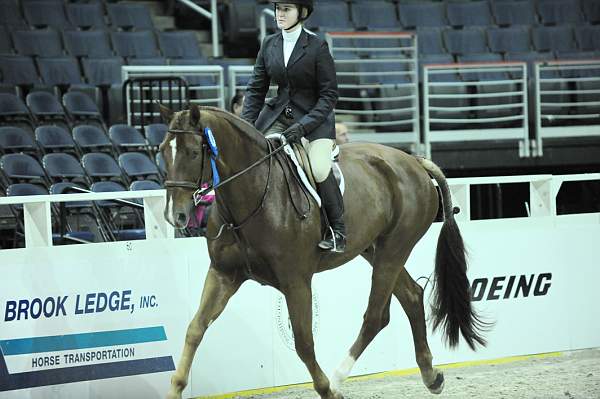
(319, 152)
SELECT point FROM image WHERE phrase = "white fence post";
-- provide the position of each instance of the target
(38, 224)
(154, 219)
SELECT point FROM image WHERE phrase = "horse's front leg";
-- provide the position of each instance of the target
(218, 289)
(299, 302)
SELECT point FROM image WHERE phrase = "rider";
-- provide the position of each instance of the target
(301, 65)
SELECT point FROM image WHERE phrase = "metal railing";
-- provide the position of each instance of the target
(206, 85)
(567, 102)
(378, 86)
(265, 13)
(214, 21)
(476, 102)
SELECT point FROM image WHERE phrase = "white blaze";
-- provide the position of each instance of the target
(173, 144)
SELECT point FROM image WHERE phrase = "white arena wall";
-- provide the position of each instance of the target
(250, 345)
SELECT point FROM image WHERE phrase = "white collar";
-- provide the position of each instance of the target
(292, 36)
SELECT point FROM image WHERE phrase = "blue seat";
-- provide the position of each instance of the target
(530, 57)
(331, 15)
(46, 108)
(22, 168)
(588, 38)
(61, 167)
(559, 12)
(68, 188)
(135, 44)
(14, 139)
(104, 71)
(482, 58)
(419, 15)
(155, 133)
(91, 139)
(45, 14)
(375, 15)
(39, 43)
(6, 46)
(140, 185)
(512, 39)
(60, 71)
(126, 137)
(465, 41)
(93, 43)
(437, 59)
(86, 15)
(195, 80)
(430, 41)
(10, 14)
(130, 16)
(553, 38)
(160, 162)
(18, 70)
(591, 11)
(179, 44)
(55, 139)
(81, 108)
(24, 189)
(474, 13)
(12, 109)
(138, 166)
(148, 61)
(507, 13)
(101, 166)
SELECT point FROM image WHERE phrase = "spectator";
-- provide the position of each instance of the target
(341, 133)
(237, 103)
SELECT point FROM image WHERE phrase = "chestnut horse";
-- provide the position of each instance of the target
(258, 231)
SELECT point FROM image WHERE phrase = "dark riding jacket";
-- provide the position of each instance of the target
(308, 85)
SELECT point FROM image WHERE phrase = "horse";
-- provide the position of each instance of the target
(259, 231)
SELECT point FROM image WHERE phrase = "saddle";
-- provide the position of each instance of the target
(299, 158)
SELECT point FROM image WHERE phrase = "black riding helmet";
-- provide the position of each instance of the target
(308, 4)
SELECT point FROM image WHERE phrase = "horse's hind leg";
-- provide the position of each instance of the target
(299, 302)
(410, 295)
(218, 289)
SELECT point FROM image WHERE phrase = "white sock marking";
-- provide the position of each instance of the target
(342, 372)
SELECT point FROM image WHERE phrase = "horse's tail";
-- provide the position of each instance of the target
(452, 310)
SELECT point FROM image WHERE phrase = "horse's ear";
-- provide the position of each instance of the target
(166, 113)
(194, 114)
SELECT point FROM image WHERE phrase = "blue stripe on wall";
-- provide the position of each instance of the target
(81, 341)
(86, 373)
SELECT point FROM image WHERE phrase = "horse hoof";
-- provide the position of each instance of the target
(438, 385)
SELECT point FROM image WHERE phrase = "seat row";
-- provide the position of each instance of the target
(82, 15)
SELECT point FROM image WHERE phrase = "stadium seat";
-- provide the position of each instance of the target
(46, 108)
(101, 166)
(155, 133)
(465, 41)
(588, 38)
(130, 16)
(18, 70)
(41, 14)
(81, 108)
(138, 166)
(10, 14)
(508, 13)
(195, 80)
(24, 189)
(126, 137)
(60, 71)
(86, 15)
(61, 167)
(375, 15)
(331, 15)
(55, 139)
(530, 57)
(513, 39)
(92, 139)
(473, 13)
(103, 71)
(39, 43)
(179, 44)
(6, 46)
(12, 109)
(135, 44)
(81, 220)
(160, 162)
(22, 168)
(14, 139)
(430, 41)
(553, 38)
(422, 14)
(559, 12)
(140, 185)
(157, 61)
(93, 43)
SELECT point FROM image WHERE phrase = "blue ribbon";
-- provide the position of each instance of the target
(214, 154)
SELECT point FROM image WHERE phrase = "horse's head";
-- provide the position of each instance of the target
(185, 156)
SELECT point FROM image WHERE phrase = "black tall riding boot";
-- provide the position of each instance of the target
(333, 203)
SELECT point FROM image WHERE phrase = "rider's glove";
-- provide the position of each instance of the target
(294, 133)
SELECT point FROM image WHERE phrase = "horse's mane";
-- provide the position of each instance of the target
(236, 121)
